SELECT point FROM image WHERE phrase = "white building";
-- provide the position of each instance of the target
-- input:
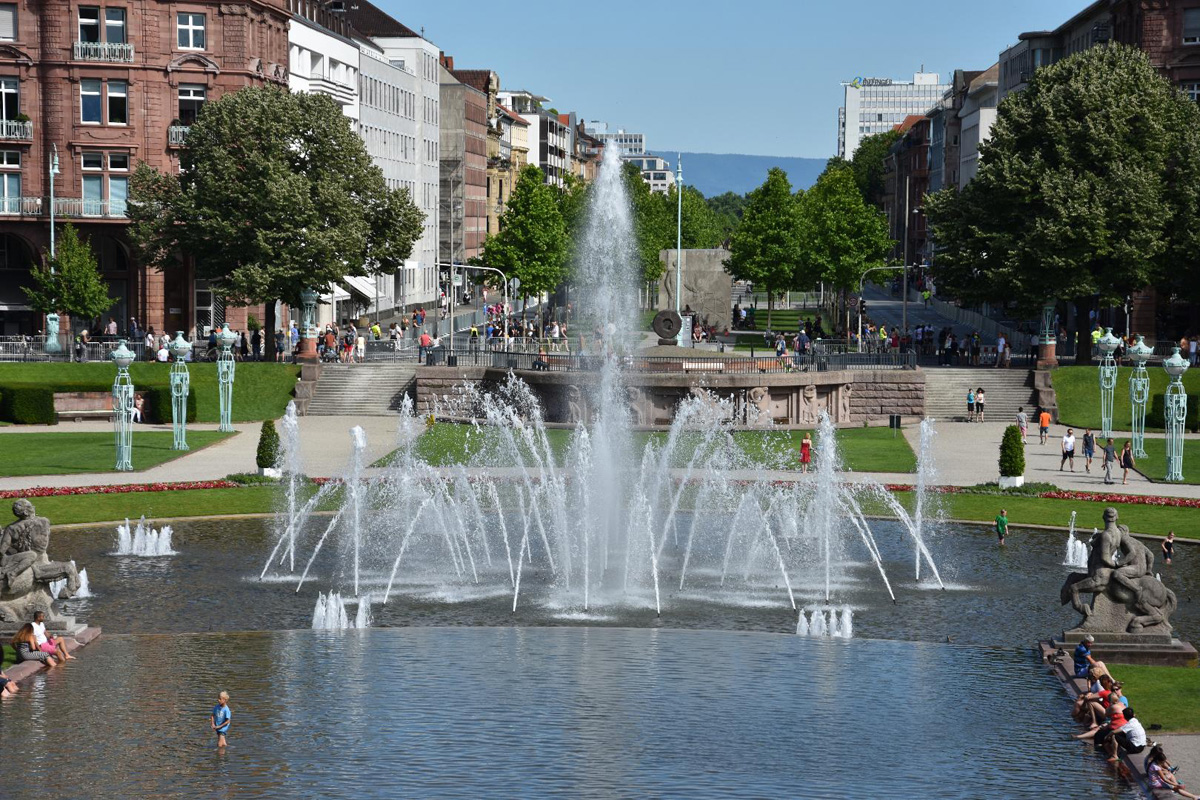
(976, 117)
(875, 105)
(656, 172)
(549, 139)
(324, 60)
(627, 142)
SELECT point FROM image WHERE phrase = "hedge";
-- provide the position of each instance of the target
(158, 405)
(1012, 453)
(267, 456)
(27, 405)
(1156, 415)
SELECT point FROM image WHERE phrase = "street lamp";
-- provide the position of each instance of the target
(122, 394)
(52, 344)
(180, 384)
(1139, 392)
(1176, 413)
(679, 240)
(1108, 381)
(308, 324)
(861, 280)
(225, 370)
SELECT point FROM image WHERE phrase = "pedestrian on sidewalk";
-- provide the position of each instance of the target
(1002, 525)
(1127, 462)
(1110, 458)
(1023, 424)
(1044, 425)
(1068, 450)
(1089, 449)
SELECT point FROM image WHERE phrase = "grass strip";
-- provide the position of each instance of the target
(78, 453)
(1166, 696)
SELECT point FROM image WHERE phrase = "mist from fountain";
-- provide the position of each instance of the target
(143, 540)
(83, 592)
(293, 467)
(1077, 550)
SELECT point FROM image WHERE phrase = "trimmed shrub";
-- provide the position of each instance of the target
(250, 479)
(27, 405)
(1156, 414)
(158, 404)
(1012, 453)
(268, 445)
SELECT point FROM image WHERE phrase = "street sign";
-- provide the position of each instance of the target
(515, 283)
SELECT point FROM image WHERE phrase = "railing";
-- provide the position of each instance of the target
(79, 207)
(28, 348)
(21, 206)
(16, 129)
(177, 135)
(103, 51)
(568, 362)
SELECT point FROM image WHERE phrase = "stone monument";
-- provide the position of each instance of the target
(667, 325)
(1130, 610)
(26, 571)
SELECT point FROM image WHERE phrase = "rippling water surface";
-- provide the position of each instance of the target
(536, 712)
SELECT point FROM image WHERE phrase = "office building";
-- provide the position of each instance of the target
(875, 105)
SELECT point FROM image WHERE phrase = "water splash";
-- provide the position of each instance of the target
(330, 612)
(826, 621)
(143, 540)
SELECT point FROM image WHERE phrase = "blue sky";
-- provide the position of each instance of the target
(755, 76)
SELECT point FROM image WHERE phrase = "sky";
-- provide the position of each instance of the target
(756, 76)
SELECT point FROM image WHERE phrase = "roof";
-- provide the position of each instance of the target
(909, 121)
(370, 20)
(475, 78)
(516, 118)
(989, 77)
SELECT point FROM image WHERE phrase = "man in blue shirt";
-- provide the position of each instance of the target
(221, 715)
(1083, 656)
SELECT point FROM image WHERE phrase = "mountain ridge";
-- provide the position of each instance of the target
(716, 173)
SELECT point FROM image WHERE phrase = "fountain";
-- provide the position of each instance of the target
(330, 612)
(143, 540)
(1077, 550)
(84, 590)
(826, 621)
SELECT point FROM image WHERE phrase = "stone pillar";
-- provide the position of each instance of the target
(308, 326)
(1047, 339)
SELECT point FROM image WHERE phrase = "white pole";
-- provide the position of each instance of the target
(679, 232)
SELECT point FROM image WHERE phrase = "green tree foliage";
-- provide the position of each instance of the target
(532, 244)
(867, 165)
(1088, 189)
(765, 248)
(70, 283)
(841, 237)
(728, 209)
(276, 193)
(653, 225)
(701, 228)
(1012, 453)
(572, 204)
(267, 455)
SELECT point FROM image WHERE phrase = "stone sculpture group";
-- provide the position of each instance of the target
(26, 571)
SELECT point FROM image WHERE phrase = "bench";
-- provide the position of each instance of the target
(79, 406)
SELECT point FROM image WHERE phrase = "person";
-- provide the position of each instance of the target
(1044, 425)
(1100, 733)
(25, 643)
(8, 687)
(1088, 707)
(1130, 737)
(1084, 660)
(1089, 449)
(1127, 462)
(1002, 525)
(1168, 547)
(805, 451)
(1161, 775)
(49, 644)
(1068, 450)
(970, 405)
(1001, 352)
(1110, 458)
(163, 355)
(423, 345)
(279, 344)
(376, 332)
(980, 400)
(221, 717)
(255, 344)
(1023, 424)
(111, 328)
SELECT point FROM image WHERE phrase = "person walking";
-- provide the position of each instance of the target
(1002, 525)
(1023, 424)
(221, 718)
(1068, 450)
(1044, 425)
(1168, 547)
(1089, 449)
(1127, 462)
(1110, 458)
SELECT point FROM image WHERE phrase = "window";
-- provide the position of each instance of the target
(10, 193)
(10, 99)
(118, 162)
(8, 22)
(10, 159)
(1191, 26)
(1192, 90)
(89, 98)
(89, 24)
(114, 25)
(191, 100)
(93, 161)
(118, 103)
(118, 194)
(105, 192)
(190, 28)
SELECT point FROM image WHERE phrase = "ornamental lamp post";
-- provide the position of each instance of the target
(52, 344)
(1108, 381)
(122, 394)
(1139, 392)
(225, 370)
(179, 348)
(1047, 342)
(1176, 413)
(308, 324)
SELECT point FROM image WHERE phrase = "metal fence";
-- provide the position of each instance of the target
(568, 362)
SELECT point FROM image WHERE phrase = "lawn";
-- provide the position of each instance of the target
(863, 449)
(74, 453)
(1155, 520)
(1077, 390)
(68, 509)
(782, 319)
(261, 390)
(1166, 696)
(1154, 466)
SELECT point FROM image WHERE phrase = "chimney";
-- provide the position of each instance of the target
(447, 61)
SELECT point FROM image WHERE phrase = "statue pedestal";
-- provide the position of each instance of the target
(1155, 650)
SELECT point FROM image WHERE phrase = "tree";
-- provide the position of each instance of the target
(867, 165)
(70, 283)
(653, 225)
(276, 193)
(728, 210)
(701, 228)
(1088, 190)
(532, 244)
(765, 248)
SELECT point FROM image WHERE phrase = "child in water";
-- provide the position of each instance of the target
(221, 715)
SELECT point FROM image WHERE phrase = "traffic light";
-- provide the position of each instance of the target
(862, 307)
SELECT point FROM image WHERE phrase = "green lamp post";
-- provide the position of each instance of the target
(122, 394)
(179, 348)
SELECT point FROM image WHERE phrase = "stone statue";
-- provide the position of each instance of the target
(26, 571)
(809, 412)
(844, 402)
(1126, 597)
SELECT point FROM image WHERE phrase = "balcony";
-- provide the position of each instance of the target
(16, 130)
(103, 51)
(20, 206)
(177, 135)
(78, 207)
(342, 92)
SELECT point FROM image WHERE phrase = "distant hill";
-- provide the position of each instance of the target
(717, 173)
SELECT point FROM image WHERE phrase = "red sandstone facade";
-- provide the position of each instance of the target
(110, 85)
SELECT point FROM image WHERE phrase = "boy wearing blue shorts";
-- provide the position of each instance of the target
(221, 715)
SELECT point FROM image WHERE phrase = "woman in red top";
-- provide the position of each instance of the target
(805, 452)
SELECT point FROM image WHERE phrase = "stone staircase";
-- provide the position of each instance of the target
(362, 389)
(1006, 391)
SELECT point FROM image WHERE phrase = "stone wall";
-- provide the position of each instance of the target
(795, 398)
(707, 287)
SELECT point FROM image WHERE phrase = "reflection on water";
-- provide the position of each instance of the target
(995, 596)
(534, 712)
